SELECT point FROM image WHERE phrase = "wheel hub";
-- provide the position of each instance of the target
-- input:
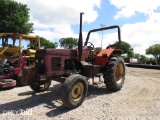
(119, 73)
(77, 91)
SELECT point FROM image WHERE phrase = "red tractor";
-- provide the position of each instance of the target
(73, 68)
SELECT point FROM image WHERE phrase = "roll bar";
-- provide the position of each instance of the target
(105, 28)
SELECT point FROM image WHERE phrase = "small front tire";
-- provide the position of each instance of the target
(74, 91)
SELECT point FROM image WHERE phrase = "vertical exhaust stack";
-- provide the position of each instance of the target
(80, 41)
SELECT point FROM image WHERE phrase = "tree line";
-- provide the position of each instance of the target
(152, 50)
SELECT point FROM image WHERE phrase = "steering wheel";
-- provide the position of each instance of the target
(91, 46)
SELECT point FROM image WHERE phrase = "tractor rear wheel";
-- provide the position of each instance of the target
(114, 74)
(74, 91)
(40, 86)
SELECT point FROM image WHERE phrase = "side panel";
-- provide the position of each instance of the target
(102, 57)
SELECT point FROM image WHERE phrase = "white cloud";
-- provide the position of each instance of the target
(59, 31)
(53, 19)
(140, 35)
(128, 8)
(58, 16)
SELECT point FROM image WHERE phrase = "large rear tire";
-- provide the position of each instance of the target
(114, 73)
(74, 91)
(40, 86)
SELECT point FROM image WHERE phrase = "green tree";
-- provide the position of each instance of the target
(144, 58)
(68, 43)
(137, 56)
(126, 47)
(14, 17)
(155, 51)
(48, 44)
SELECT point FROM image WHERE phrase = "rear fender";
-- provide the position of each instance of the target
(102, 57)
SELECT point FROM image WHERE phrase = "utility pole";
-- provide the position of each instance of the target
(102, 25)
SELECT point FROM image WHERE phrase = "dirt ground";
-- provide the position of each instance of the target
(142, 89)
(139, 99)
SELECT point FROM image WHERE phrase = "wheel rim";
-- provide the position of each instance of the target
(119, 73)
(77, 91)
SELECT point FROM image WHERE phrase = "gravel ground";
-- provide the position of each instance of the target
(139, 99)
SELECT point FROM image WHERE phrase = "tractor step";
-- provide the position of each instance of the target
(7, 83)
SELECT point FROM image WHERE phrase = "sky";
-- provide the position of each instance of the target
(139, 20)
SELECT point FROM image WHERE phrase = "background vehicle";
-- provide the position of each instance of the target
(14, 59)
(130, 60)
(74, 67)
(11, 72)
(11, 51)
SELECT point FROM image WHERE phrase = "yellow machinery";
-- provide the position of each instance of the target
(14, 50)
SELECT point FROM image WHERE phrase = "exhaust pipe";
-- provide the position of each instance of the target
(80, 41)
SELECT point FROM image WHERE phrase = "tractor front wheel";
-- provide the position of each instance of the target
(74, 91)
(40, 86)
(114, 73)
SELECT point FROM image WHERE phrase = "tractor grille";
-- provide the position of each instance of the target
(56, 63)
